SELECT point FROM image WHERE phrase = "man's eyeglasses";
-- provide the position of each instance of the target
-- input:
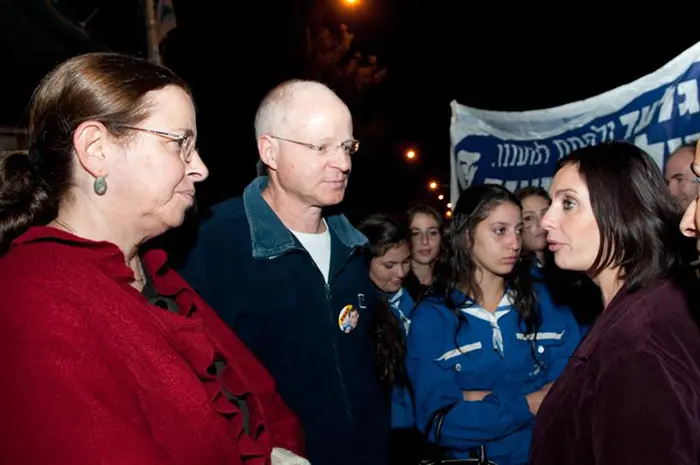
(350, 147)
(185, 142)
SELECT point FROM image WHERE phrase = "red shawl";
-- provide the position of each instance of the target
(93, 373)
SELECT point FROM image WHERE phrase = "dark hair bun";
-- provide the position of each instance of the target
(23, 199)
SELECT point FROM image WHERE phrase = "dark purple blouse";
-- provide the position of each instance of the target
(630, 394)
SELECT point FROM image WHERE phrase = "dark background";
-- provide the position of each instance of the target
(486, 55)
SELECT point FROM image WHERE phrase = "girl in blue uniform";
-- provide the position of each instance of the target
(489, 342)
(425, 225)
(389, 256)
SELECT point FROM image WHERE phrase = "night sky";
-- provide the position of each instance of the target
(498, 59)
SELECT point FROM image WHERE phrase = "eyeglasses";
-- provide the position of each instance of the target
(185, 142)
(350, 147)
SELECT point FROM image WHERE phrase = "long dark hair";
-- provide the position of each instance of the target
(414, 287)
(636, 214)
(528, 256)
(456, 267)
(383, 233)
(522, 194)
(425, 209)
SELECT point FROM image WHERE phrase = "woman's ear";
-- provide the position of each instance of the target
(90, 141)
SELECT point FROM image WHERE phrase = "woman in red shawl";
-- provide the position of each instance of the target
(107, 355)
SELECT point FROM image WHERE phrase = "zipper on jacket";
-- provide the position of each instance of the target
(335, 351)
(334, 324)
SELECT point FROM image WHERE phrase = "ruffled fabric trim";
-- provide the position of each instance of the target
(201, 352)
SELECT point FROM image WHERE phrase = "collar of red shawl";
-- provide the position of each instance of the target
(107, 256)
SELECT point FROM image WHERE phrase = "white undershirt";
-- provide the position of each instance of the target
(319, 247)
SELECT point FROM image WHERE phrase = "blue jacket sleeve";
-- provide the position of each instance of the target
(468, 424)
(557, 319)
(572, 337)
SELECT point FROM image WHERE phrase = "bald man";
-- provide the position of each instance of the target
(289, 276)
(679, 177)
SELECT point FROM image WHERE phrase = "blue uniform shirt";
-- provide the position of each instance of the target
(490, 352)
(401, 401)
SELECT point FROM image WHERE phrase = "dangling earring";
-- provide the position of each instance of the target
(100, 185)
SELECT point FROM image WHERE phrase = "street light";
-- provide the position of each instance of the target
(411, 154)
(351, 2)
(433, 185)
(441, 197)
(448, 213)
(449, 205)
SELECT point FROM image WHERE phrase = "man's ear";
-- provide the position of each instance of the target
(268, 149)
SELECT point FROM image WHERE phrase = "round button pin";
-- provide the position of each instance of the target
(348, 318)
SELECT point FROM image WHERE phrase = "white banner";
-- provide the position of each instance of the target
(657, 112)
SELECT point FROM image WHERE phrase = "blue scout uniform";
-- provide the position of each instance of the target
(401, 401)
(490, 352)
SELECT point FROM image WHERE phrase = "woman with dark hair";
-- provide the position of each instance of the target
(631, 393)
(572, 289)
(535, 202)
(389, 258)
(425, 225)
(487, 344)
(107, 355)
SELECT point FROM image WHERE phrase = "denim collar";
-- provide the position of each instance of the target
(271, 238)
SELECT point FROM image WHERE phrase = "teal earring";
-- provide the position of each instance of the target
(100, 185)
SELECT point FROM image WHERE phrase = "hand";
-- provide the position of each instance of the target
(474, 396)
(534, 400)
